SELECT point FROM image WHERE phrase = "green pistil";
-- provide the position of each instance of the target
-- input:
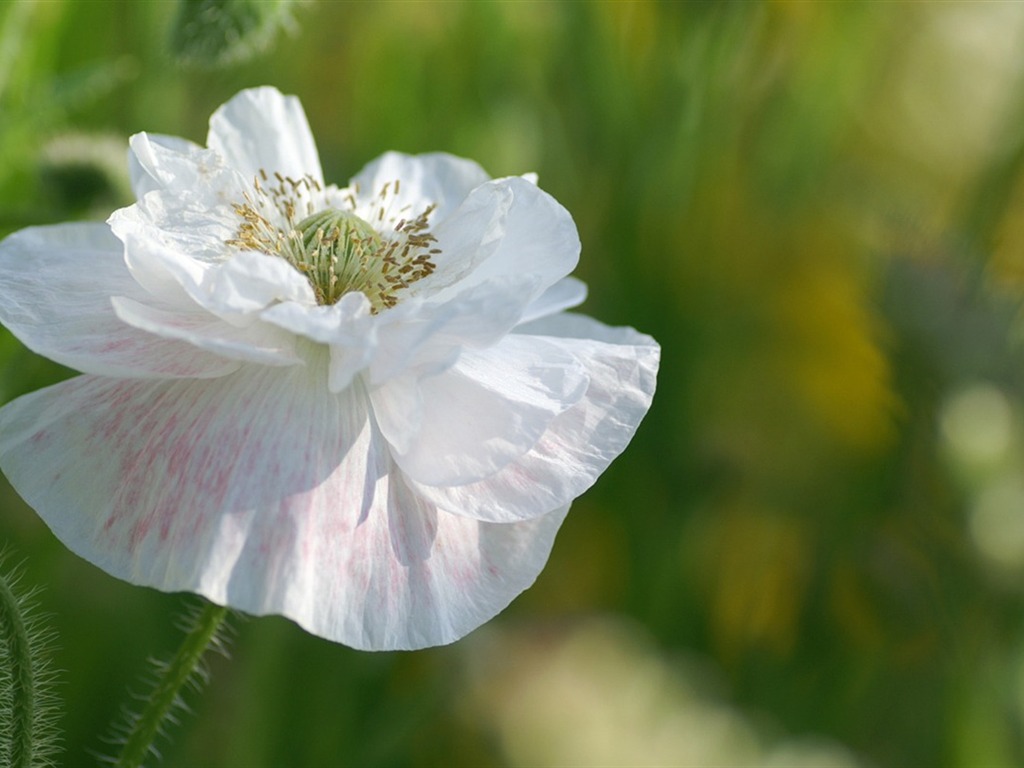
(336, 250)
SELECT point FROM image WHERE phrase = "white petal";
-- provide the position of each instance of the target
(466, 238)
(565, 294)
(58, 283)
(262, 129)
(250, 281)
(420, 577)
(431, 179)
(143, 164)
(256, 343)
(346, 327)
(345, 322)
(261, 491)
(571, 325)
(190, 212)
(581, 442)
(534, 236)
(488, 409)
(235, 289)
(427, 337)
(173, 165)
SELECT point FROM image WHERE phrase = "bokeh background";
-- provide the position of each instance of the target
(812, 553)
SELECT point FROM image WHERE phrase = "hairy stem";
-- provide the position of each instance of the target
(20, 698)
(172, 678)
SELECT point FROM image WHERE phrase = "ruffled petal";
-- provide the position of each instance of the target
(144, 165)
(580, 443)
(488, 409)
(529, 234)
(250, 281)
(465, 239)
(177, 166)
(262, 129)
(58, 282)
(436, 179)
(421, 338)
(235, 290)
(191, 208)
(262, 492)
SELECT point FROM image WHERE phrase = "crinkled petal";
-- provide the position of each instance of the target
(431, 179)
(250, 281)
(235, 290)
(144, 165)
(262, 492)
(58, 282)
(580, 443)
(255, 343)
(488, 409)
(192, 209)
(262, 129)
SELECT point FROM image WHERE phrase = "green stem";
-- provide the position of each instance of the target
(17, 648)
(173, 677)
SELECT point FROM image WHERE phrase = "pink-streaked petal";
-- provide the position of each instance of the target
(262, 129)
(58, 282)
(416, 576)
(256, 343)
(436, 179)
(261, 491)
(565, 294)
(144, 165)
(581, 442)
(488, 409)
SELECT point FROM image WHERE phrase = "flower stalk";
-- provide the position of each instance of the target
(27, 735)
(184, 668)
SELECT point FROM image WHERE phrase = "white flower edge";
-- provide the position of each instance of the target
(258, 492)
(293, 509)
(59, 282)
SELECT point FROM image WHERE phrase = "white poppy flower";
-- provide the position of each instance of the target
(362, 408)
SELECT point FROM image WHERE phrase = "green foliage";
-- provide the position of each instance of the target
(211, 33)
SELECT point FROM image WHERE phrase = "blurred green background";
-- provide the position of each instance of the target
(812, 553)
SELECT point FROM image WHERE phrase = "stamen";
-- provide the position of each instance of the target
(336, 250)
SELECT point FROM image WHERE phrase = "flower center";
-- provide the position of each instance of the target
(337, 250)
